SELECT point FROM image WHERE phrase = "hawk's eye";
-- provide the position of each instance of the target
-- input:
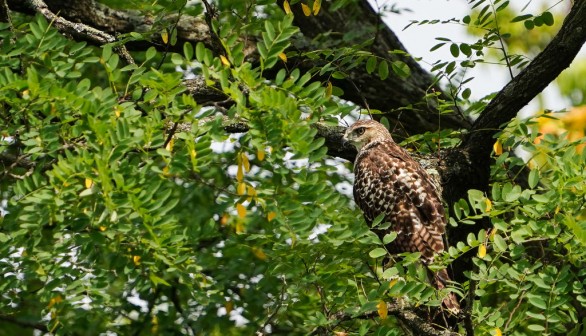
(360, 131)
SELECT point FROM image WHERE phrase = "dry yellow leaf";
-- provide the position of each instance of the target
(136, 260)
(283, 57)
(271, 215)
(260, 154)
(286, 7)
(239, 174)
(329, 89)
(117, 111)
(193, 154)
(259, 253)
(170, 145)
(229, 306)
(55, 300)
(306, 9)
(492, 233)
(316, 6)
(224, 60)
(241, 189)
(488, 204)
(497, 332)
(241, 209)
(481, 251)
(498, 147)
(166, 171)
(239, 227)
(102, 228)
(250, 191)
(165, 36)
(381, 307)
(88, 183)
(393, 282)
(224, 219)
(245, 161)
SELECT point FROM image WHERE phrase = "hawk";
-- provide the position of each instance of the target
(388, 181)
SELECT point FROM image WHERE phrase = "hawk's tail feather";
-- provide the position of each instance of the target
(450, 301)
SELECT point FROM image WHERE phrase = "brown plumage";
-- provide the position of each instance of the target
(388, 181)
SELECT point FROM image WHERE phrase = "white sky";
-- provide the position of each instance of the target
(419, 39)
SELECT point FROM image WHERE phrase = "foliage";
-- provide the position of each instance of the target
(529, 265)
(130, 225)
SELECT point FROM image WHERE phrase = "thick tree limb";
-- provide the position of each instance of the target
(556, 57)
(78, 29)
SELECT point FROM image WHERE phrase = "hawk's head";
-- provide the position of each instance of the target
(363, 132)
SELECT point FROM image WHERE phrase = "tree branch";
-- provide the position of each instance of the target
(339, 29)
(556, 57)
(408, 316)
(78, 29)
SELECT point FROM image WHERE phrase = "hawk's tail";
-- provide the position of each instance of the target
(450, 301)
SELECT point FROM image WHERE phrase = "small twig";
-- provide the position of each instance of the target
(277, 308)
(150, 310)
(168, 44)
(513, 311)
(78, 29)
(210, 14)
(174, 129)
(5, 17)
(498, 33)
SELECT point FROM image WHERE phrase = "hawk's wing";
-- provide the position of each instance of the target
(389, 181)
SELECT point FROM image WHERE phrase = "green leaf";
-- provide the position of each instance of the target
(500, 243)
(537, 301)
(401, 69)
(377, 252)
(522, 17)
(529, 24)
(390, 273)
(455, 50)
(389, 237)
(188, 51)
(150, 53)
(199, 51)
(107, 51)
(465, 48)
(466, 93)
(437, 46)
(383, 70)
(536, 327)
(371, 64)
(158, 281)
(547, 18)
(533, 179)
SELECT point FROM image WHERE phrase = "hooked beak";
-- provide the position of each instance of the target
(345, 141)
